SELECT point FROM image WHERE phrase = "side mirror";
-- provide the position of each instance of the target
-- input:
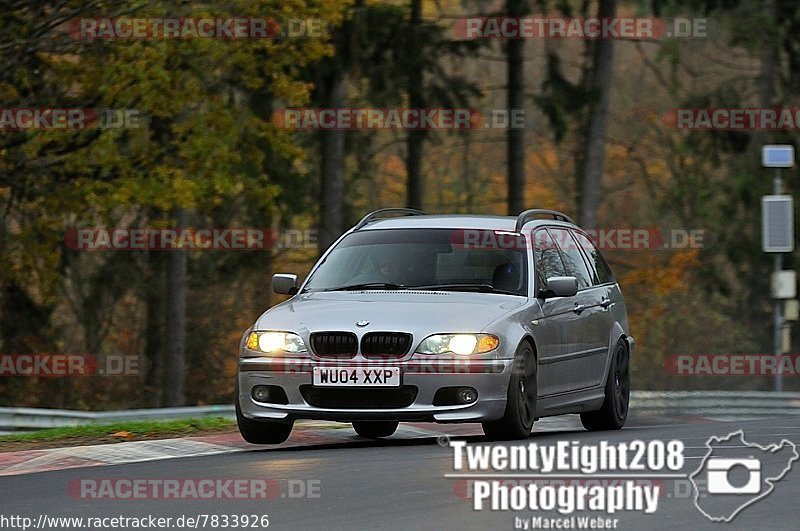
(559, 287)
(284, 283)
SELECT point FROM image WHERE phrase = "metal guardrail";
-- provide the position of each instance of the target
(25, 418)
(724, 405)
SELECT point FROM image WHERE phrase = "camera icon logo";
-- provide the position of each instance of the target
(719, 474)
(735, 474)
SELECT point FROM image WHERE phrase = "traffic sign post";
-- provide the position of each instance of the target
(777, 156)
(777, 224)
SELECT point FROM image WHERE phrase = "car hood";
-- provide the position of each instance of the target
(418, 312)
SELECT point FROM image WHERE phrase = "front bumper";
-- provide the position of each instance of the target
(488, 377)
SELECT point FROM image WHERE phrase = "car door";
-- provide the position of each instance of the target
(556, 325)
(590, 324)
(602, 317)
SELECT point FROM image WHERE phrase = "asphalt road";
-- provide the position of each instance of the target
(398, 484)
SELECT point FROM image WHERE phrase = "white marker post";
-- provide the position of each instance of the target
(777, 225)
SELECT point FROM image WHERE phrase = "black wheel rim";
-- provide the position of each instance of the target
(622, 382)
(526, 395)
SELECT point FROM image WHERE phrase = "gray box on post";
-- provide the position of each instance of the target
(777, 223)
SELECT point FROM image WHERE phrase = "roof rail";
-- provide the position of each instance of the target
(526, 216)
(378, 213)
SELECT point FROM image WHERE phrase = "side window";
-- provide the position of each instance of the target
(586, 259)
(546, 257)
(595, 258)
(573, 258)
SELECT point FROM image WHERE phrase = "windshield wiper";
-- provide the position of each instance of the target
(484, 288)
(368, 285)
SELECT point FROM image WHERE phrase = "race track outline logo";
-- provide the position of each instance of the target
(720, 498)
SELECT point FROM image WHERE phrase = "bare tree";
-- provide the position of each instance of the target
(332, 166)
(769, 61)
(416, 100)
(175, 364)
(591, 163)
(515, 61)
(154, 326)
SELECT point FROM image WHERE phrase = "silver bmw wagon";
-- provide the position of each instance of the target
(441, 318)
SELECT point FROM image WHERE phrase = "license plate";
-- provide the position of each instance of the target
(356, 377)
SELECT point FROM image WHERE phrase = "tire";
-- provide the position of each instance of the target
(520, 413)
(375, 429)
(261, 431)
(614, 412)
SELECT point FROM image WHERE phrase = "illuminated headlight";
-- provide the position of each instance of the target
(275, 342)
(462, 344)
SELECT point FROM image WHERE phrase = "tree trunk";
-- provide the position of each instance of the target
(769, 65)
(416, 100)
(590, 170)
(263, 296)
(515, 61)
(467, 170)
(332, 166)
(154, 339)
(175, 365)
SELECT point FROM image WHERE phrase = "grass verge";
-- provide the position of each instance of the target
(116, 432)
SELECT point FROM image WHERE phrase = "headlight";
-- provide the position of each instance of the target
(275, 342)
(462, 344)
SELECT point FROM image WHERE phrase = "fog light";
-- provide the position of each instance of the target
(467, 395)
(260, 393)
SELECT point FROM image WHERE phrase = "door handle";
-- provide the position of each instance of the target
(605, 303)
(578, 308)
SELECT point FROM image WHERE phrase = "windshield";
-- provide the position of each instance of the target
(437, 259)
